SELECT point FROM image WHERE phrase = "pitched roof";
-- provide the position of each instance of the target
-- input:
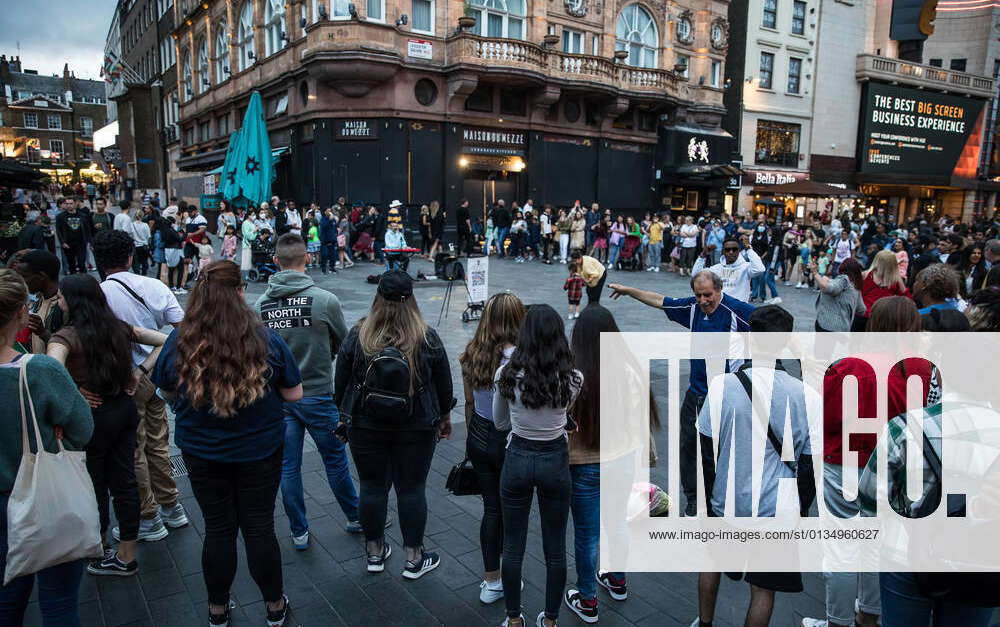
(38, 84)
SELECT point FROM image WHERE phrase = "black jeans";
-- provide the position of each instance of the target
(398, 459)
(594, 293)
(76, 257)
(485, 447)
(140, 260)
(532, 466)
(546, 246)
(111, 464)
(464, 241)
(689, 438)
(238, 497)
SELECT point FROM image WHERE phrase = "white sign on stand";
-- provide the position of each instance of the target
(478, 279)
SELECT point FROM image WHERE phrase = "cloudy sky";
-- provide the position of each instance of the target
(55, 32)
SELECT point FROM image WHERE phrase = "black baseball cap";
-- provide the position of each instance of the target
(396, 286)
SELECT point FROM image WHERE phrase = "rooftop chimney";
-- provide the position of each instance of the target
(15, 64)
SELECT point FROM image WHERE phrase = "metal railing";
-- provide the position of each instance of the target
(870, 66)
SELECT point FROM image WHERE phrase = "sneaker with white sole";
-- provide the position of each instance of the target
(617, 589)
(696, 622)
(540, 621)
(376, 563)
(113, 566)
(150, 530)
(586, 610)
(221, 620)
(815, 622)
(506, 622)
(276, 618)
(490, 591)
(427, 563)
(174, 517)
(301, 543)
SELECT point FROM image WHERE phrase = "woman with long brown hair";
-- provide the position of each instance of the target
(227, 376)
(489, 349)
(393, 387)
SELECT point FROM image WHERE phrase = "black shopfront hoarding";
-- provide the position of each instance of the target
(925, 137)
(694, 168)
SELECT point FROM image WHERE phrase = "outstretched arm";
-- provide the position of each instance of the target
(647, 298)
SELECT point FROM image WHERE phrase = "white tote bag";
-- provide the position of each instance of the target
(52, 512)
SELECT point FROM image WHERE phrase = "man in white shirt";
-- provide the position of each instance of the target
(545, 221)
(293, 219)
(172, 209)
(144, 302)
(123, 221)
(735, 269)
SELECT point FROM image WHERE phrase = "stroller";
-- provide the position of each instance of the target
(261, 256)
(628, 258)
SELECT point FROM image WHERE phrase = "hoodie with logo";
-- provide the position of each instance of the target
(311, 322)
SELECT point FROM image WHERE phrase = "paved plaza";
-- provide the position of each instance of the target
(328, 585)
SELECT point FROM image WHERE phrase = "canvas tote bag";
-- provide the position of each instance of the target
(52, 512)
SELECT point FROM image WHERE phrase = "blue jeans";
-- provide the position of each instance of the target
(58, 588)
(319, 415)
(501, 236)
(613, 255)
(762, 284)
(586, 508)
(904, 605)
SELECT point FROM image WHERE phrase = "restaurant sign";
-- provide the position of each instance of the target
(489, 141)
(356, 129)
(767, 178)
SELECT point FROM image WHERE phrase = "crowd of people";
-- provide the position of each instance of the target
(245, 382)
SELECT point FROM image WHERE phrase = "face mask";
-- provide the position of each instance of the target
(761, 229)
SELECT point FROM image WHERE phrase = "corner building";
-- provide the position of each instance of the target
(421, 100)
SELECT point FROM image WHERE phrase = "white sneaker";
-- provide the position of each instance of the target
(799, 286)
(814, 622)
(301, 543)
(490, 592)
(656, 269)
(506, 621)
(788, 283)
(776, 300)
(175, 517)
(540, 621)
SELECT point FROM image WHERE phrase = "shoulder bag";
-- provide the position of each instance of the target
(462, 479)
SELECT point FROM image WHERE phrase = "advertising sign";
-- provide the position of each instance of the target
(478, 279)
(356, 129)
(488, 141)
(910, 131)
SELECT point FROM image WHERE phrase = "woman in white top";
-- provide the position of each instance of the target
(139, 231)
(689, 242)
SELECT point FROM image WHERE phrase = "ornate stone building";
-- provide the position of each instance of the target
(554, 100)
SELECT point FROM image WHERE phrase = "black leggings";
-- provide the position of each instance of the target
(238, 497)
(111, 464)
(594, 293)
(400, 459)
(485, 447)
(532, 466)
(175, 275)
(140, 260)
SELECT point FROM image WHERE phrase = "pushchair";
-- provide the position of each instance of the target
(628, 258)
(262, 259)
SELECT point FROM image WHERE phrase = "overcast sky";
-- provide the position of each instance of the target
(55, 32)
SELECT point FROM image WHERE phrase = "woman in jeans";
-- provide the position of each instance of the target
(533, 391)
(491, 347)
(59, 408)
(226, 376)
(395, 450)
(96, 348)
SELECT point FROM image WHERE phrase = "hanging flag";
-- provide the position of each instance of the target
(254, 168)
(227, 179)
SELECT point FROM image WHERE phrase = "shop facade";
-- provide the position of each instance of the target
(695, 171)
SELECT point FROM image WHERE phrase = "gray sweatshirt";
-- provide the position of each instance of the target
(544, 423)
(310, 321)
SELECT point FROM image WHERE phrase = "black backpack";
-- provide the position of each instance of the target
(385, 390)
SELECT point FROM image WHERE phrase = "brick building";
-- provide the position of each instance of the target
(49, 121)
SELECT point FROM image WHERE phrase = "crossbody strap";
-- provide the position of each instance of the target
(131, 292)
(772, 437)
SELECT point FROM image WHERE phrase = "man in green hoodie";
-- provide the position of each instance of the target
(311, 322)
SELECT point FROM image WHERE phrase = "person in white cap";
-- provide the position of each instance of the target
(395, 238)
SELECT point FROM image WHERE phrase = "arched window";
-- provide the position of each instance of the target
(204, 82)
(274, 26)
(636, 32)
(244, 38)
(499, 18)
(187, 89)
(222, 69)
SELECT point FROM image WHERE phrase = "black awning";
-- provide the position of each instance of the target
(15, 174)
(716, 170)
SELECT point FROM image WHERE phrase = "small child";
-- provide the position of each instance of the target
(574, 290)
(229, 243)
(313, 244)
(204, 255)
(822, 264)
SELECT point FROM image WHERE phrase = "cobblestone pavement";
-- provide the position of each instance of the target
(328, 585)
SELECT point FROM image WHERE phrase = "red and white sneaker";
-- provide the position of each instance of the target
(617, 588)
(585, 609)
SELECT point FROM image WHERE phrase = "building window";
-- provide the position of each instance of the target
(423, 16)
(244, 37)
(33, 145)
(572, 41)
(203, 80)
(499, 18)
(376, 10)
(798, 17)
(481, 99)
(221, 53)
(187, 89)
(86, 127)
(56, 146)
(86, 153)
(936, 63)
(958, 65)
(770, 14)
(777, 144)
(715, 79)
(794, 75)
(636, 33)
(685, 31)
(204, 131)
(55, 122)
(274, 26)
(595, 45)
(513, 102)
(30, 120)
(189, 136)
(223, 125)
(766, 70)
(685, 61)
(425, 91)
